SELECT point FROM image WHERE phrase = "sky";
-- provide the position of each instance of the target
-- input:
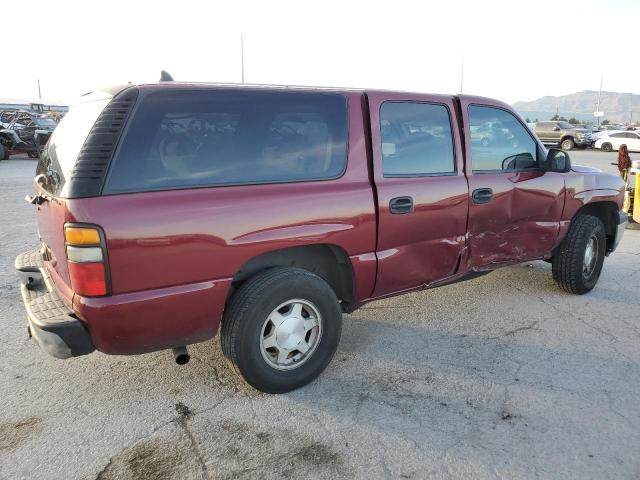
(513, 50)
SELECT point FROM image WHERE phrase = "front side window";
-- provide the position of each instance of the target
(416, 139)
(499, 141)
(618, 135)
(190, 138)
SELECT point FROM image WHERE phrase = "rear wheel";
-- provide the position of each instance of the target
(578, 262)
(4, 152)
(606, 147)
(281, 329)
(567, 144)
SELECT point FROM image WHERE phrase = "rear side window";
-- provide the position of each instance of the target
(416, 139)
(197, 138)
(59, 157)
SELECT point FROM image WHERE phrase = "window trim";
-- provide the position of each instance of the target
(106, 192)
(419, 175)
(512, 170)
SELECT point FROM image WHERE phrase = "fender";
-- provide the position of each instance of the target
(588, 186)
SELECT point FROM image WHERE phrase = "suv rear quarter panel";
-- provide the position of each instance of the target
(172, 254)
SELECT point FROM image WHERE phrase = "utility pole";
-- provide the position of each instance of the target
(462, 74)
(39, 92)
(598, 104)
(242, 56)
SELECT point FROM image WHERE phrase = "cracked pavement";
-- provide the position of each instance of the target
(504, 376)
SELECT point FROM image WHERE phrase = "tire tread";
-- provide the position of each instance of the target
(253, 289)
(568, 262)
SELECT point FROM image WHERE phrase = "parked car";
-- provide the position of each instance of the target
(168, 212)
(563, 134)
(26, 132)
(5, 117)
(613, 140)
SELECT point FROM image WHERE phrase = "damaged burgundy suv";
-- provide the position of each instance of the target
(169, 211)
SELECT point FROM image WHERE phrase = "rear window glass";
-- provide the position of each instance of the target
(220, 137)
(416, 139)
(58, 158)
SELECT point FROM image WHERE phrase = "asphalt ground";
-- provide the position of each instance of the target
(504, 376)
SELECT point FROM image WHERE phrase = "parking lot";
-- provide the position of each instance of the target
(504, 376)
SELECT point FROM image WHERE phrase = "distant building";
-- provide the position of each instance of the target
(38, 106)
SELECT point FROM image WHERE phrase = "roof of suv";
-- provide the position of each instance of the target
(115, 89)
(112, 91)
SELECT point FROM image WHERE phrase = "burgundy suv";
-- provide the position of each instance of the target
(169, 211)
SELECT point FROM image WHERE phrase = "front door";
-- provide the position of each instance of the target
(421, 187)
(515, 207)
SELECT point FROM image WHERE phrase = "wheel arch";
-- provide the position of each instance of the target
(330, 262)
(606, 211)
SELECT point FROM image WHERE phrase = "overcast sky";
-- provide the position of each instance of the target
(513, 50)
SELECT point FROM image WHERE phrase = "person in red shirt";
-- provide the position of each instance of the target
(624, 161)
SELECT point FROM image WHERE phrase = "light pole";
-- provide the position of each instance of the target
(242, 57)
(598, 104)
(462, 74)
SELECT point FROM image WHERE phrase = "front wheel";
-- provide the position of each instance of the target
(606, 147)
(281, 329)
(578, 262)
(567, 144)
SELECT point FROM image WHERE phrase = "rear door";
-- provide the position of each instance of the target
(515, 207)
(618, 139)
(544, 131)
(421, 187)
(55, 168)
(633, 141)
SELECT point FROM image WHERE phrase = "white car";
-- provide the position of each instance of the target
(613, 140)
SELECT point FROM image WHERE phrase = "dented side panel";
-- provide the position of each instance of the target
(521, 222)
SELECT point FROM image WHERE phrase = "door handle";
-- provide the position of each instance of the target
(482, 195)
(400, 205)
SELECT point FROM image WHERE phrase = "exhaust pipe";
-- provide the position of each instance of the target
(181, 355)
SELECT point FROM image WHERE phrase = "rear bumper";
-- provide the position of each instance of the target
(123, 324)
(52, 323)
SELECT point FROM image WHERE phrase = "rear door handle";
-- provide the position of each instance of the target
(400, 205)
(482, 195)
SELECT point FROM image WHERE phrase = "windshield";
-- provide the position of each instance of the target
(59, 156)
(45, 122)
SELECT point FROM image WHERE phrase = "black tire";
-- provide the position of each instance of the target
(606, 147)
(567, 144)
(245, 316)
(4, 152)
(570, 261)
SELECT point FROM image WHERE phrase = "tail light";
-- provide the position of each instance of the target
(87, 260)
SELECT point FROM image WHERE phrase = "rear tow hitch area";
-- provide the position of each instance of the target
(51, 322)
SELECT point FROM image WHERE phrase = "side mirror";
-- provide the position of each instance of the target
(557, 161)
(556, 129)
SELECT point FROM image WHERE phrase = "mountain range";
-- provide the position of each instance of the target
(618, 107)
